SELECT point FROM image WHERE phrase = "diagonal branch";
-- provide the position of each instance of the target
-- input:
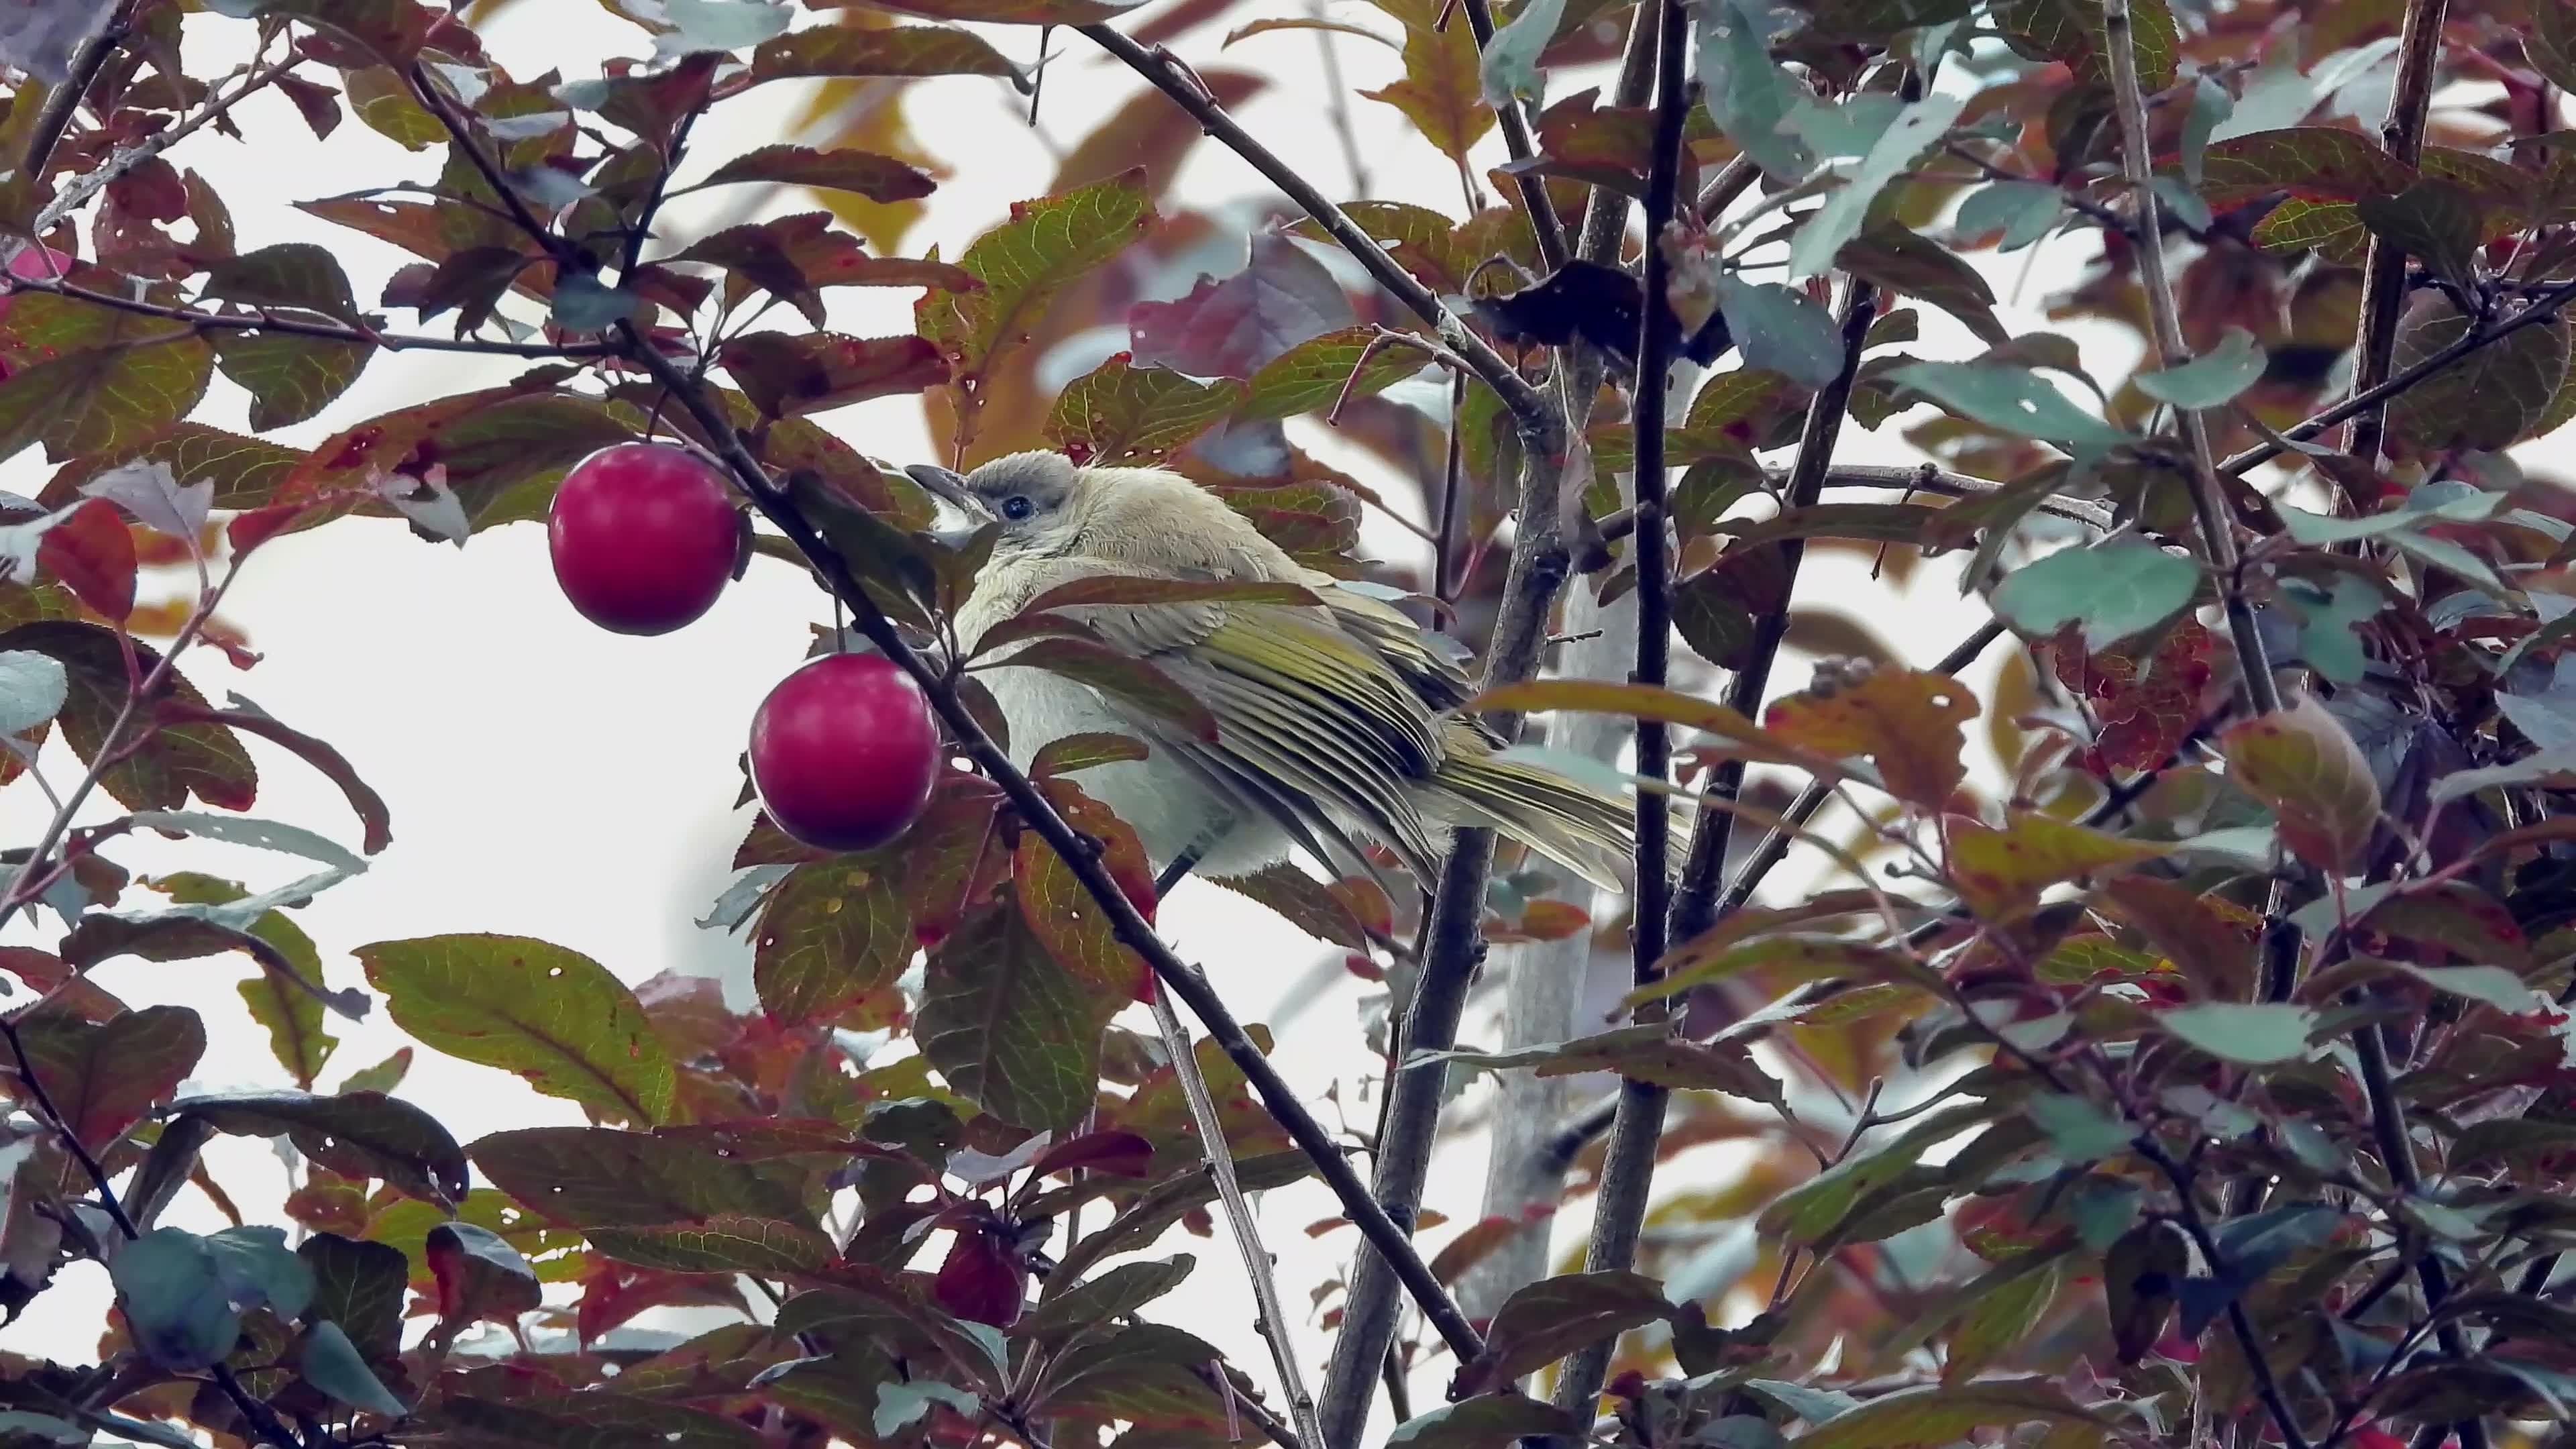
(65, 99)
(1528, 407)
(265, 321)
(2208, 497)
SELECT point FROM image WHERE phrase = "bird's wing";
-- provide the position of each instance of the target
(1429, 662)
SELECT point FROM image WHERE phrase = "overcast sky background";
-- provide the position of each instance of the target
(551, 780)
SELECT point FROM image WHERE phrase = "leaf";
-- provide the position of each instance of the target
(1509, 67)
(1649, 1053)
(1544, 1321)
(2114, 591)
(2073, 31)
(1814, 1208)
(2486, 400)
(597, 1179)
(103, 1077)
(2300, 762)
(2078, 1129)
(847, 50)
(1281, 297)
(2213, 378)
(2140, 1274)
(1906, 721)
(1918, 127)
(90, 552)
(1442, 90)
(2000, 871)
(2255, 1033)
(1021, 265)
(1010, 12)
(174, 760)
(1901, 260)
(359, 1134)
(833, 932)
(550, 1015)
(1638, 701)
(2143, 710)
(2012, 399)
(330, 1362)
(1782, 959)
(2433, 221)
(878, 178)
(1317, 372)
(2550, 43)
(358, 1287)
(1303, 901)
(1067, 1313)
(1942, 1413)
(173, 1298)
(1747, 94)
(33, 688)
(787, 376)
(290, 1010)
(1719, 610)
(1062, 916)
(1483, 1421)
(1008, 1027)
(1119, 414)
(290, 379)
(1782, 330)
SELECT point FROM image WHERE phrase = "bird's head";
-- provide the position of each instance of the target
(1045, 505)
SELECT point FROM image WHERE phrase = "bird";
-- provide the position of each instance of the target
(1338, 723)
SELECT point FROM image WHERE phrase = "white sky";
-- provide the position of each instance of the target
(551, 780)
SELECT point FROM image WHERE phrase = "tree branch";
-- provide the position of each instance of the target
(1527, 406)
(2540, 309)
(82, 188)
(64, 100)
(1516, 142)
(1628, 1177)
(2208, 498)
(2383, 270)
(268, 322)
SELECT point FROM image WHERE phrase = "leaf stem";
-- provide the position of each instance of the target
(1247, 1233)
(2208, 495)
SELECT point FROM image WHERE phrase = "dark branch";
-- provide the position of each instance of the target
(1516, 142)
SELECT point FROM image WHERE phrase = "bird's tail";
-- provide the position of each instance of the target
(1589, 830)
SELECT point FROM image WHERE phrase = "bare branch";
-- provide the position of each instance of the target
(2383, 270)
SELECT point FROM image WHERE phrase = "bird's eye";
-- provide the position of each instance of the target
(1017, 507)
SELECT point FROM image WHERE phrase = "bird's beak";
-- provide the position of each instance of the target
(950, 488)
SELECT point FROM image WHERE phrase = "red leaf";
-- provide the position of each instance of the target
(90, 551)
(1120, 1154)
(982, 1280)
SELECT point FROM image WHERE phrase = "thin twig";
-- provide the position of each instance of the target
(2248, 1343)
(264, 321)
(1247, 1233)
(81, 188)
(2383, 269)
(2208, 498)
(2540, 309)
(1526, 404)
(1516, 142)
(1729, 183)
(1921, 478)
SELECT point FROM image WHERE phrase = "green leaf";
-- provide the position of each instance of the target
(1014, 12)
(393, 29)
(718, 25)
(291, 274)
(1544, 1321)
(360, 1287)
(2434, 222)
(1719, 610)
(1509, 68)
(2327, 643)
(2302, 763)
(2074, 31)
(902, 1402)
(1782, 330)
(2493, 985)
(2487, 400)
(2210, 379)
(1119, 414)
(591, 1419)
(863, 173)
(2024, 211)
(103, 1077)
(1442, 89)
(2114, 590)
(289, 378)
(2255, 1033)
(174, 1300)
(1943, 1413)
(1647, 1053)
(844, 50)
(1485, 1421)
(1069, 1312)
(2011, 399)
(258, 1271)
(1902, 260)
(1920, 126)
(553, 1016)
(358, 1134)
(1011, 1029)
(331, 1363)
(106, 396)
(1021, 265)
(2081, 1131)
(1315, 373)
(1814, 1208)
(1747, 94)
(296, 1034)
(833, 932)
